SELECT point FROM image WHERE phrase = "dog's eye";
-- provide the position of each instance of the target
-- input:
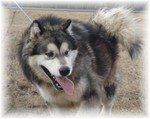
(50, 54)
(66, 53)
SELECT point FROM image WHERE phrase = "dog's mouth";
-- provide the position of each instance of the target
(60, 83)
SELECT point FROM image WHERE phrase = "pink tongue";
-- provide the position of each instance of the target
(66, 84)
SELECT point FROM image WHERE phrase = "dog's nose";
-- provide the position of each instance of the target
(64, 71)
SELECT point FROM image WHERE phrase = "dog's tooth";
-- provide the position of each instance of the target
(53, 77)
(57, 84)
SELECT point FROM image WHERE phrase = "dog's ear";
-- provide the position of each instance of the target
(35, 30)
(67, 26)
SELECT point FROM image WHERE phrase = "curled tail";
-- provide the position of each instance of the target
(122, 24)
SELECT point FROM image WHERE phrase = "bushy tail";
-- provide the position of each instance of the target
(122, 24)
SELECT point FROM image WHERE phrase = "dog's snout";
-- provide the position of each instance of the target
(64, 71)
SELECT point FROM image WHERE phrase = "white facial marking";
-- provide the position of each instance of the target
(34, 60)
(52, 47)
(53, 65)
(64, 47)
(70, 59)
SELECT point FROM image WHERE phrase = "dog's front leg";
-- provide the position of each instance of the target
(88, 110)
(107, 108)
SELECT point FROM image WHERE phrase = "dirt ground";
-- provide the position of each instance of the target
(22, 97)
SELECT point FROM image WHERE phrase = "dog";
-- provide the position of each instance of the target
(73, 64)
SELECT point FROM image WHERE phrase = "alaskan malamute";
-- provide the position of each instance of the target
(73, 64)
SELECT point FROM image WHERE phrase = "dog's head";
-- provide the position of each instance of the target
(53, 49)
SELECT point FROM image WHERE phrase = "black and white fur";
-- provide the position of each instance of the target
(88, 50)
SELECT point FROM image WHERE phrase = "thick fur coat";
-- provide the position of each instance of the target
(73, 64)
